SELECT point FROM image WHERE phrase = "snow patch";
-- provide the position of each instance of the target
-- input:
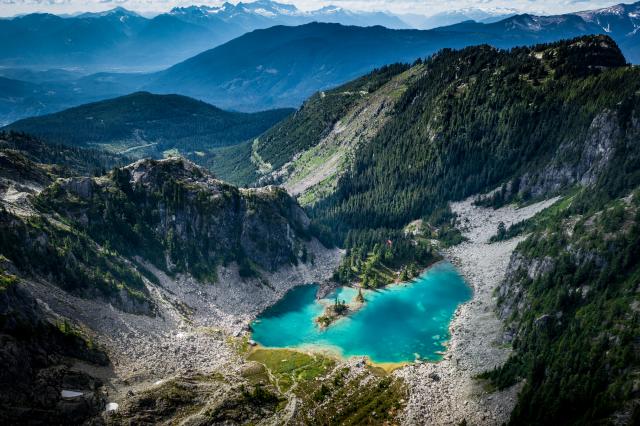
(70, 394)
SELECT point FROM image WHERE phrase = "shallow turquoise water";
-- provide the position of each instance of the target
(395, 325)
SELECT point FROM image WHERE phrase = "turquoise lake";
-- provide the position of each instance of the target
(396, 324)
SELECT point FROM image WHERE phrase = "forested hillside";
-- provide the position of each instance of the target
(283, 151)
(62, 160)
(103, 244)
(570, 298)
(317, 116)
(571, 307)
(554, 119)
(79, 230)
(146, 124)
(476, 118)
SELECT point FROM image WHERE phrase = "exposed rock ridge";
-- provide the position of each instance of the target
(580, 161)
(186, 208)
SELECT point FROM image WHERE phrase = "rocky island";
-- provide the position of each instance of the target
(339, 308)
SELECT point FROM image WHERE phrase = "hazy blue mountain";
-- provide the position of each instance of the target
(119, 39)
(46, 40)
(281, 66)
(22, 98)
(620, 22)
(35, 93)
(40, 76)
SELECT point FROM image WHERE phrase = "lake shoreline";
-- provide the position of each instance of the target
(447, 392)
(331, 352)
(410, 319)
(354, 307)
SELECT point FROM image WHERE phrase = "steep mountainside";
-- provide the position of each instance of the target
(555, 119)
(571, 308)
(143, 124)
(270, 157)
(570, 299)
(464, 130)
(38, 354)
(104, 274)
(169, 212)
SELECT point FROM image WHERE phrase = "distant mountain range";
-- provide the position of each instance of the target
(119, 39)
(122, 40)
(621, 22)
(452, 17)
(274, 67)
(282, 66)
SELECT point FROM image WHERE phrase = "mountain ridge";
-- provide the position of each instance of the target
(120, 38)
(260, 81)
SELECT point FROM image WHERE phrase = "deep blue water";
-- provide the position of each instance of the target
(395, 324)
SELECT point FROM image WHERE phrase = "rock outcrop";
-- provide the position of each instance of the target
(178, 216)
(38, 381)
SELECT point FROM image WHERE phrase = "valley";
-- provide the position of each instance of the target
(416, 228)
(238, 58)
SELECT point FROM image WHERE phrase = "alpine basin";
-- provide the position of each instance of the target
(397, 324)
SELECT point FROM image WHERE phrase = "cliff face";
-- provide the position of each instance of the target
(176, 215)
(88, 235)
(37, 355)
(580, 160)
(569, 301)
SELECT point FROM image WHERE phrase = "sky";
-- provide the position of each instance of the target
(425, 7)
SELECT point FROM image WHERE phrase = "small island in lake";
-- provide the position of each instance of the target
(339, 308)
(391, 326)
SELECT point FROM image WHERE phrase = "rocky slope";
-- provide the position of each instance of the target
(151, 268)
(569, 302)
(448, 392)
(313, 171)
(38, 380)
